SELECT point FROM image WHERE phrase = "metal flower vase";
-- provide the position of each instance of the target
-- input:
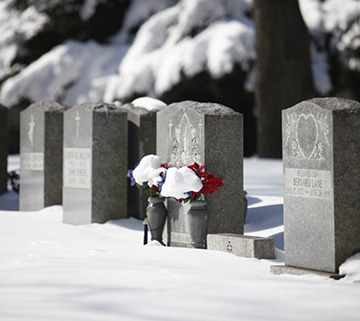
(197, 219)
(156, 217)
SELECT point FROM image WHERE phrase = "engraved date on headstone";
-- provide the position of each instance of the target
(77, 168)
(32, 161)
(308, 183)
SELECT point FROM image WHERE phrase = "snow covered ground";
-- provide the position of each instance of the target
(54, 271)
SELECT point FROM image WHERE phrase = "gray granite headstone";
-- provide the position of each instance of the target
(321, 153)
(41, 155)
(4, 147)
(141, 142)
(209, 134)
(95, 164)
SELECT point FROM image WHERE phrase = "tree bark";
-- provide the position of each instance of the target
(284, 75)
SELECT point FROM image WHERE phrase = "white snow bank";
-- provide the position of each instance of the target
(341, 20)
(351, 268)
(85, 66)
(15, 29)
(338, 14)
(56, 271)
(313, 15)
(163, 47)
(182, 38)
(149, 103)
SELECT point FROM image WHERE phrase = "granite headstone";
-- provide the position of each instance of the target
(95, 163)
(41, 155)
(209, 134)
(4, 147)
(321, 153)
(141, 142)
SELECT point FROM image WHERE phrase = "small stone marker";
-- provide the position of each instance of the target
(321, 153)
(141, 142)
(95, 163)
(242, 245)
(4, 147)
(41, 155)
(209, 134)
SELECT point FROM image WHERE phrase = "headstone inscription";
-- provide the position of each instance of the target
(141, 142)
(321, 152)
(209, 134)
(41, 155)
(4, 147)
(95, 163)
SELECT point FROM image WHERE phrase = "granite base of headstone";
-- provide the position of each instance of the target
(321, 152)
(41, 155)
(4, 147)
(209, 134)
(141, 142)
(285, 269)
(95, 164)
(242, 245)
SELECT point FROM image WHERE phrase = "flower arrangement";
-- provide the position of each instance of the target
(185, 184)
(149, 174)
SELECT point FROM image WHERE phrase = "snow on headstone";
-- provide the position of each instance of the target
(4, 147)
(209, 134)
(41, 155)
(150, 104)
(95, 163)
(141, 141)
(321, 153)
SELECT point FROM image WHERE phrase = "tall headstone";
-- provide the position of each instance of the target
(41, 141)
(321, 153)
(212, 135)
(95, 163)
(4, 147)
(141, 142)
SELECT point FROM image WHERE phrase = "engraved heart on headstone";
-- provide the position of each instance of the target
(307, 134)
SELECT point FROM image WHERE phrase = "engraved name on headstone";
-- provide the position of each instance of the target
(41, 141)
(77, 168)
(95, 163)
(209, 134)
(321, 153)
(4, 147)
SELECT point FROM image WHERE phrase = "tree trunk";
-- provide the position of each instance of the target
(284, 75)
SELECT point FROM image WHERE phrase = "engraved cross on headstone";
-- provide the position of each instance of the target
(77, 118)
(31, 130)
(170, 128)
(201, 130)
